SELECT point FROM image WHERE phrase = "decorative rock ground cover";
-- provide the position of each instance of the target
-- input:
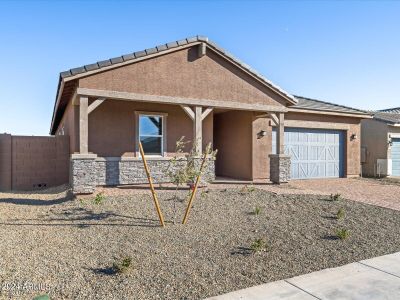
(67, 247)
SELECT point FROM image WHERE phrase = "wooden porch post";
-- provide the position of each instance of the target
(83, 125)
(198, 129)
(280, 134)
(197, 116)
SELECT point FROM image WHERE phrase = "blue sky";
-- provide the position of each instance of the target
(344, 52)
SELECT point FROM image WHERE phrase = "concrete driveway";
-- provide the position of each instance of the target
(373, 279)
(369, 191)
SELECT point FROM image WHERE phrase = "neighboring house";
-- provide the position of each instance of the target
(193, 88)
(381, 143)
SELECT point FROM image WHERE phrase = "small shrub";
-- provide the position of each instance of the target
(335, 197)
(257, 210)
(122, 265)
(340, 214)
(42, 297)
(247, 189)
(99, 198)
(258, 245)
(204, 193)
(343, 233)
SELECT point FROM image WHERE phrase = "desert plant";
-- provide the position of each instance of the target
(343, 233)
(99, 198)
(122, 265)
(251, 188)
(204, 193)
(184, 168)
(258, 245)
(42, 297)
(335, 197)
(247, 189)
(340, 213)
(257, 210)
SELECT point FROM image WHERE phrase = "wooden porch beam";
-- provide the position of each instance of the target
(206, 112)
(225, 104)
(274, 118)
(95, 104)
(188, 111)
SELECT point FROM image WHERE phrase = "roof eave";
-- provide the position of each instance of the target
(60, 89)
(331, 112)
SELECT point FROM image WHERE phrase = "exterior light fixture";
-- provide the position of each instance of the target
(390, 142)
(261, 134)
(353, 137)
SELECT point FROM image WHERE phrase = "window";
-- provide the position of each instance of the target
(151, 133)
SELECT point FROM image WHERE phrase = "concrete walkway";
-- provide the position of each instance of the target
(373, 279)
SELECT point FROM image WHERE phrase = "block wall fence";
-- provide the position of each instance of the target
(33, 162)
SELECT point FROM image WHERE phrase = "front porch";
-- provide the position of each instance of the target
(112, 124)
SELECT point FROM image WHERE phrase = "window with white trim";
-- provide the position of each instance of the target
(151, 133)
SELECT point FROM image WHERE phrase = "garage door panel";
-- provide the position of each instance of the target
(314, 153)
(395, 157)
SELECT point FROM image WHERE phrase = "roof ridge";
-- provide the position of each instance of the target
(331, 103)
(389, 110)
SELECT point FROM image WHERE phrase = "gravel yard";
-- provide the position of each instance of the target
(68, 246)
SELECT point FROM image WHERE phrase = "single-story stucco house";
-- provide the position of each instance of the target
(194, 88)
(381, 143)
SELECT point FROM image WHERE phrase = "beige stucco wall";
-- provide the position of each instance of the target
(112, 127)
(184, 74)
(232, 139)
(69, 126)
(262, 147)
(374, 140)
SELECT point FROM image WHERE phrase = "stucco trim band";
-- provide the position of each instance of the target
(328, 112)
(116, 95)
(316, 125)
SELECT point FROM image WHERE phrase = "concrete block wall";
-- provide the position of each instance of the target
(5, 162)
(31, 162)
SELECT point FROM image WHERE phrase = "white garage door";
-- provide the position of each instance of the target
(396, 157)
(315, 153)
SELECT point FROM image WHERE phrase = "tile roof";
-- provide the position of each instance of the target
(158, 49)
(388, 117)
(395, 110)
(313, 104)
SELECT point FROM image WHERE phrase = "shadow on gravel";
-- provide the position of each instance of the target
(330, 237)
(103, 271)
(82, 225)
(77, 217)
(330, 217)
(34, 201)
(242, 251)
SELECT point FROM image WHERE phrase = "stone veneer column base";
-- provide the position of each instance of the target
(83, 177)
(89, 171)
(279, 168)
